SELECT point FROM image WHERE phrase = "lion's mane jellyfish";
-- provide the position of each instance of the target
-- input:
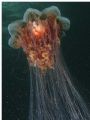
(52, 95)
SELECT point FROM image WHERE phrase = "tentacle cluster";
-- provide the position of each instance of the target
(52, 96)
(39, 35)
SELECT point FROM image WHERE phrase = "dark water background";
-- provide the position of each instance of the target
(75, 48)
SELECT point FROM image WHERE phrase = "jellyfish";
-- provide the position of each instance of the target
(52, 94)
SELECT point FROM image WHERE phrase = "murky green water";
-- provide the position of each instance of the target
(75, 47)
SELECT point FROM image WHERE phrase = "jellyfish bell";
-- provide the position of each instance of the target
(14, 42)
(31, 14)
(65, 22)
(39, 35)
(14, 30)
(52, 11)
(15, 26)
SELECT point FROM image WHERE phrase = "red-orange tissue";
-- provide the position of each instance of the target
(39, 35)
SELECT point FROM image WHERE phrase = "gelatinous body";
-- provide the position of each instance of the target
(52, 95)
(39, 35)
